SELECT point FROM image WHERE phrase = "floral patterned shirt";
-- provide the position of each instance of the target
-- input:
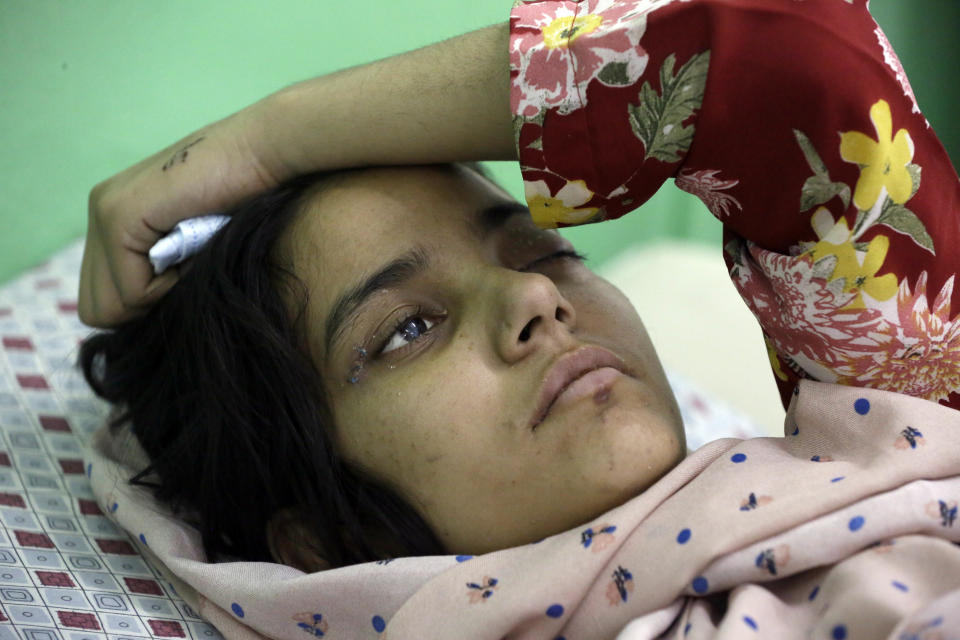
(794, 122)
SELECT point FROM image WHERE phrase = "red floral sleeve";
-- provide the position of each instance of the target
(794, 122)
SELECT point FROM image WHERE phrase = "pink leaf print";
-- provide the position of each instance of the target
(773, 559)
(909, 438)
(708, 187)
(919, 355)
(892, 61)
(943, 510)
(802, 314)
(482, 591)
(599, 537)
(620, 586)
(547, 73)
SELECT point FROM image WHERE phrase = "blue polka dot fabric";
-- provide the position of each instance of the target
(555, 610)
(802, 534)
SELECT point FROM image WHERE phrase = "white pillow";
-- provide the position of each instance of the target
(701, 327)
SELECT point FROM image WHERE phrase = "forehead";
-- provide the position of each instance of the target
(409, 200)
(382, 208)
(363, 219)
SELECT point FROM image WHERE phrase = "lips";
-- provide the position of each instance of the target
(568, 369)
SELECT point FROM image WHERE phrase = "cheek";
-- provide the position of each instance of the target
(414, 429)
(644, 436)
(603, 311)
(383, 433)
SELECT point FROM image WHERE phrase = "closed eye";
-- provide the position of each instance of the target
(557, 255)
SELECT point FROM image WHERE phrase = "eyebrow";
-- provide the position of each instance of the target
(404, 268)
(495, 216)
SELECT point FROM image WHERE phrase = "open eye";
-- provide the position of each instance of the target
(409, 329)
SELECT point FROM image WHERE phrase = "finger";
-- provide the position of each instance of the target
(127, 254)
(132, 274)
(98, 301)
(159, 286)
(105, 309)
(85, 304)
(140, 295)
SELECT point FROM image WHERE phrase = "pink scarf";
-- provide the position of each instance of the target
(840, 529)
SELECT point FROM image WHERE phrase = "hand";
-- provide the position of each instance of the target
(205, 172)
(446, 102)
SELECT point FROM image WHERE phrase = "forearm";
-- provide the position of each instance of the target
(445, 102)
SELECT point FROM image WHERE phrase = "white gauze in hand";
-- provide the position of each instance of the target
(184, 240)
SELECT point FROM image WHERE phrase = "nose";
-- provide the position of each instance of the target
(531, 313)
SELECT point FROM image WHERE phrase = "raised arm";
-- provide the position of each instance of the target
(794, 122)
(442, 103)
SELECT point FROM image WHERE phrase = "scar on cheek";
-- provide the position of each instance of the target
(356, 371)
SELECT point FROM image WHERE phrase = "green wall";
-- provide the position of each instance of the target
(88, 87)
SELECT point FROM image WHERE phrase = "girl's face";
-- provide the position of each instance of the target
(453, 336)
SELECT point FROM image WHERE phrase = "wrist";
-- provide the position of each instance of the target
(261, 131)
(444, 103)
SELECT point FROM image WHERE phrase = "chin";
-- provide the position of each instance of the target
(640, 447)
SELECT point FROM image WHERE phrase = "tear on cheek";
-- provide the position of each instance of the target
(357, 370)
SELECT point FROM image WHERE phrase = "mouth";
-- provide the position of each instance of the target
(577, 374)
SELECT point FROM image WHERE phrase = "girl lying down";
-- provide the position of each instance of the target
(383, 402)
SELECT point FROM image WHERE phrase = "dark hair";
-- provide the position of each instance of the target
(216, 386)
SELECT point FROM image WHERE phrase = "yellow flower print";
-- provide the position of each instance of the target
(859, 277)
(863, 277)
(548, 211)
(829, 232)
(833, 236)
(565, 29)
(883, 162)
(774, 360)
